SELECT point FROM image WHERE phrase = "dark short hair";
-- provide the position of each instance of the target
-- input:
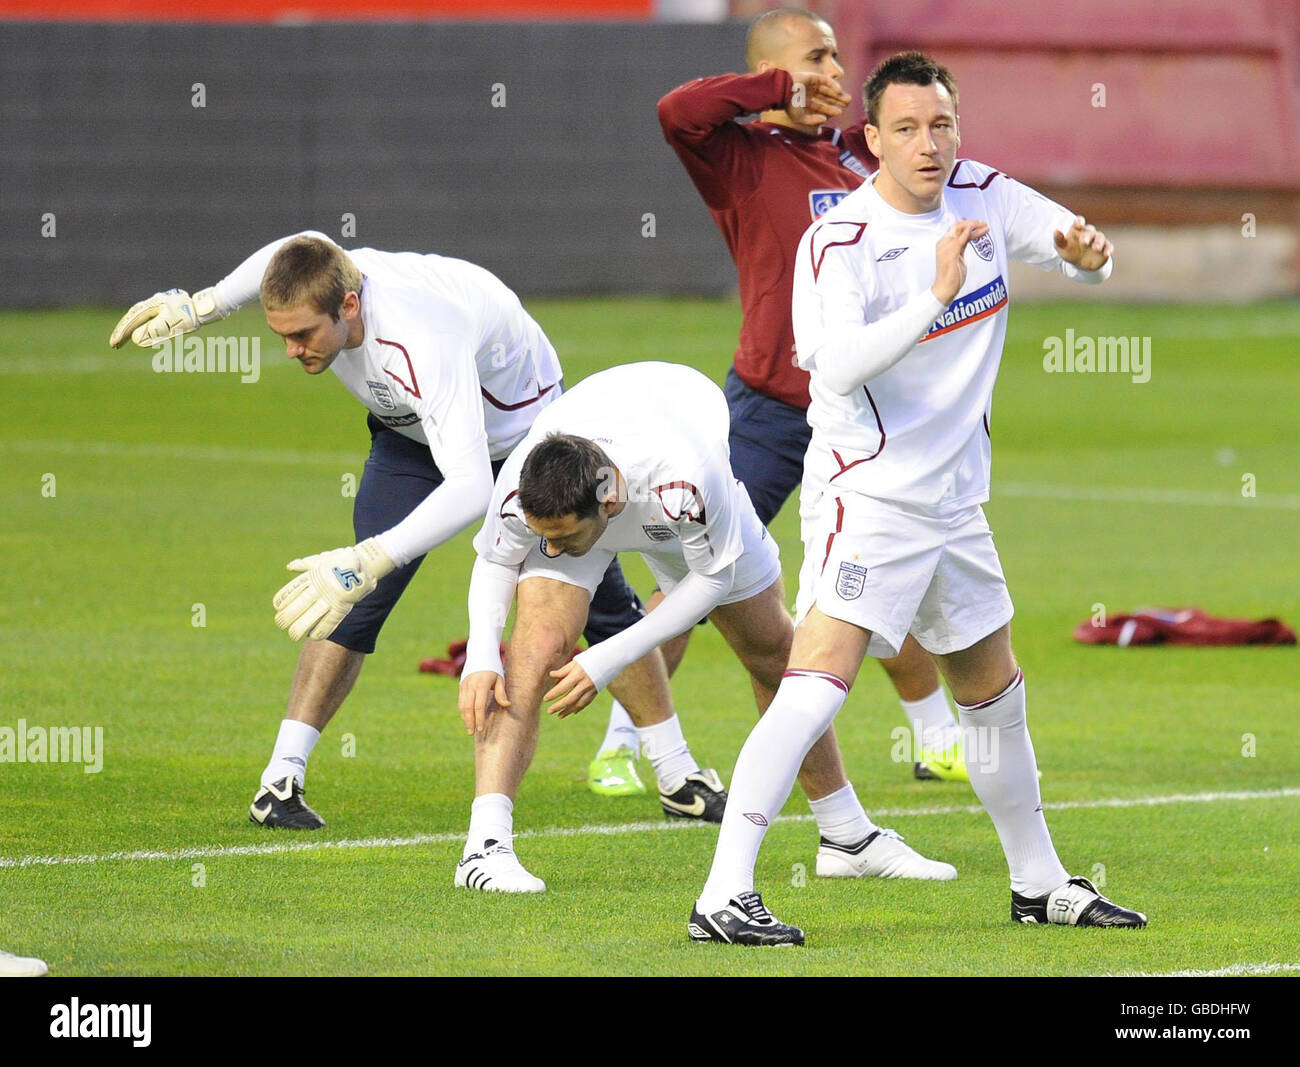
(563, 475)
(905, 68)
(758, 28)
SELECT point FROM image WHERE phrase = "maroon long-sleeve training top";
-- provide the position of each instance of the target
(765, 184)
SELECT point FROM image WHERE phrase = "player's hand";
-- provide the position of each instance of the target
(950, 258)
(165, 315)
(1083, 245)
(477, 691)
(314, 603)
(815, 98)
(572, 691)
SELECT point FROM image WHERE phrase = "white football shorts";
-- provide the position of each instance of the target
(895, 570)
(757, 568)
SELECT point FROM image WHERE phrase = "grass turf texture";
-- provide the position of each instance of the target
(177, 490)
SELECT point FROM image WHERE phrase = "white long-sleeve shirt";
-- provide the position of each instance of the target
(450, 359)
(902, 387)
(665, 428)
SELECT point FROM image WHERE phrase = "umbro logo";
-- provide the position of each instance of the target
(893, 253)
(756, 818)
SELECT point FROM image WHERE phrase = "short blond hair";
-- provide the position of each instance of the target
(310, 271)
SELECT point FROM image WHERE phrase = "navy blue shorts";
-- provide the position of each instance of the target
(398, 475)
(768, 441)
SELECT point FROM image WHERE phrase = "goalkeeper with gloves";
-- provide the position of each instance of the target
(452, 371)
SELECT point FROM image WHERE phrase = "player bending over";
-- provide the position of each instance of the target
(900, 313)
(452, 371)
(633, 459)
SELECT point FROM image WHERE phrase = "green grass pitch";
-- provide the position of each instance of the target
(135, 502)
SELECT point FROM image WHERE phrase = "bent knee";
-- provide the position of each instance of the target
(543, 644)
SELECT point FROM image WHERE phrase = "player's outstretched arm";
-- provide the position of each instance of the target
(491, 592)
(579, 680)
(167, 314)
(691, 113)
(174, 312)
(330, 583)
(1039, 231)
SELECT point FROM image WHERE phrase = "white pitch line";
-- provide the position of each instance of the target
(1153, 495)
(1232, 970)
(612, 829)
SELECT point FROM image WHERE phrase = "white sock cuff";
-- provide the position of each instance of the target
(296, 736)
(489, 801)
(1017, 681)
(845, 798)
(661, 738)
(811, 675)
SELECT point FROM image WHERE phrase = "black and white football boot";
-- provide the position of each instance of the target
(1077, 903)
(701, 796)
(744, 921)
(281, 807)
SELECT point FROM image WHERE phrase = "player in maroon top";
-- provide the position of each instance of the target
(765, 182)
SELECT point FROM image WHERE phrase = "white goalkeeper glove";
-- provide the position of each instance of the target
(314, 603)
(165, 315)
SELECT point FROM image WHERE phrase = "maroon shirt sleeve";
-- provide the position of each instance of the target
(697, 120)
(855, 139)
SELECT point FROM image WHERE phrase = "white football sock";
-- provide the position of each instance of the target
(621, 732)
(491, 818)
(840, 818)
(293, 746)
(804, 706)
(1004, 775)
(666, 749)
(932, 722)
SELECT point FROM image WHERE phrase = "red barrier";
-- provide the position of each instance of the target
(1182, 93)
(326, 10)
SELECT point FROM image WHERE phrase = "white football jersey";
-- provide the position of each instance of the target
(918, 433)
(450, 355)
(665, 428)
(450, 359)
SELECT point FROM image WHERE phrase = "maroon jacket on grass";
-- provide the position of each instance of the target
(1182, 626)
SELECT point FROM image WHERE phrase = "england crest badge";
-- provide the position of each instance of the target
(983, 247)
(383, 397)
(851, 580)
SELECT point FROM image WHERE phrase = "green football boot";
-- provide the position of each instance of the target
(613, 774)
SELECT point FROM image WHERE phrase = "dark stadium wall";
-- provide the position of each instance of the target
(143, 156)
(139, 155)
